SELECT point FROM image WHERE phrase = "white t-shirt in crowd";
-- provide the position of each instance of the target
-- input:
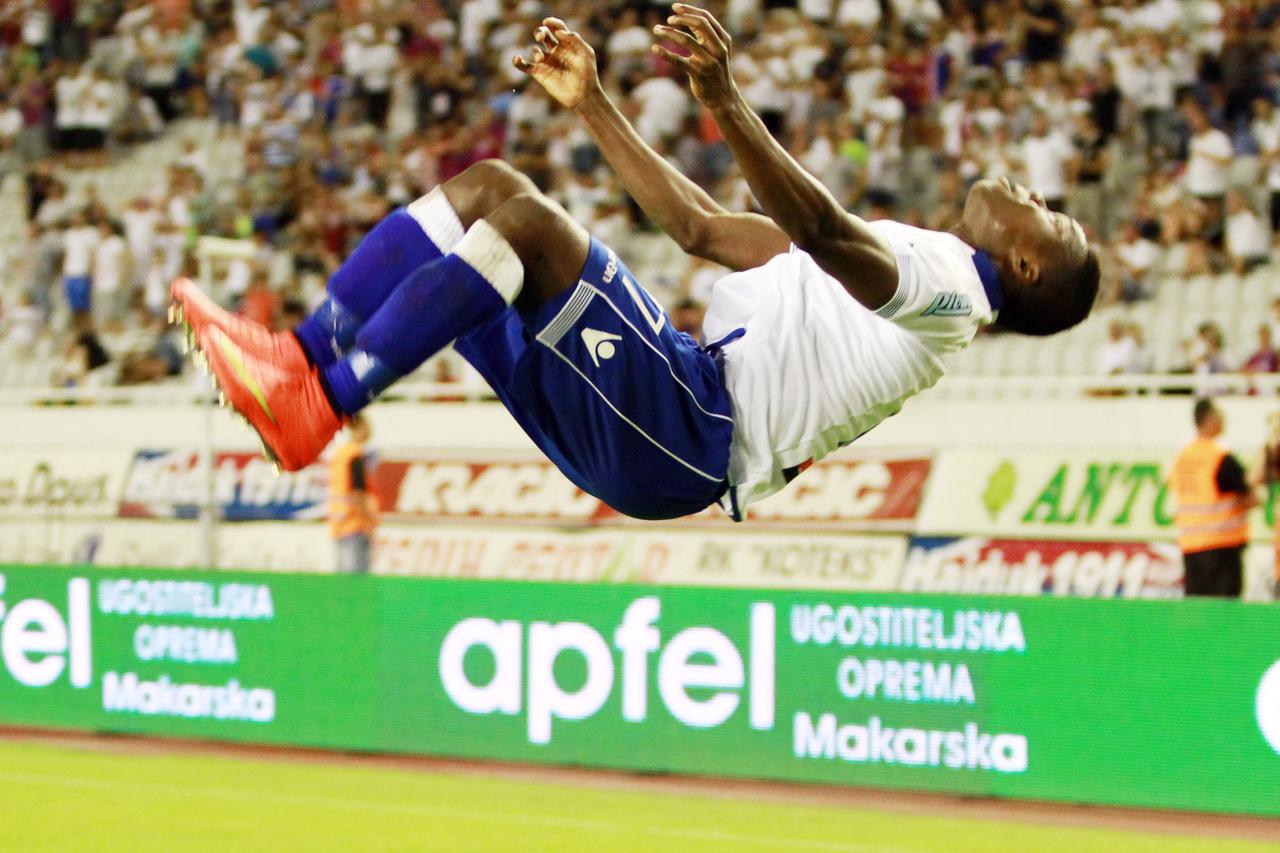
(249, 21)
(663, 106)
(1204, 176)
(1247, 236)
(861, 13)
(1122, 356)
(10, 123)
(99, 105)
(108, 264)
(475, 16)
(70, 94)
(1267, 134)
(816, 369)
(1086, 48)
(1046, 158)
(1140, 256)
(140, 231)
(377, 65)
(77, 246)
(630, 41)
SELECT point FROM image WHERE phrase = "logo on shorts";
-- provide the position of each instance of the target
(600, 345)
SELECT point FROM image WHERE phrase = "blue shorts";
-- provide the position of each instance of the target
(631, 410)
(77, 288)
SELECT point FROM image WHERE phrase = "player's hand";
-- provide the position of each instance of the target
(562, 63)
(708, 45)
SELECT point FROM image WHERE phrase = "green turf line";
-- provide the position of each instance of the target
(61, 798)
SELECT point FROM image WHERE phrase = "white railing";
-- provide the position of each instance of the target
(952, 387)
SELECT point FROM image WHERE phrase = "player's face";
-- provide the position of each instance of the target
(1007, 217)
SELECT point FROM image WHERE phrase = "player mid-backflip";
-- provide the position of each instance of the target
(825, 329)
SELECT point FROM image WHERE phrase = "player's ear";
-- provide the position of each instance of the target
(1023, 266)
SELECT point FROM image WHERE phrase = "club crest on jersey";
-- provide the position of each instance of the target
(600, 345)
(950, 305)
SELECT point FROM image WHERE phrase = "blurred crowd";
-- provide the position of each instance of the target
(1152, 121)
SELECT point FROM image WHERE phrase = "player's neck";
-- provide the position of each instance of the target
(963, 233)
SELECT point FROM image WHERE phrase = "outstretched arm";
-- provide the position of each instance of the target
(842, 244)
(565, 66)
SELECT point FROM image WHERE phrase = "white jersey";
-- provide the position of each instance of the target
(816, 369)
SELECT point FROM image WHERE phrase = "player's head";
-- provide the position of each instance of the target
(1208, 418)
(1048, 272)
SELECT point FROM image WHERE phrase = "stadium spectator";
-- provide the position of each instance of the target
(1247, 240)
(1122, 352)
(1266, 135)
(112, 293)
(78, 246)
(687, 317)
(324, 114)
(1135, 259)
(1264, 359)
(1207, 350)
(1047, 155)
(1213, 498)
(353, 510)
(1208, 161)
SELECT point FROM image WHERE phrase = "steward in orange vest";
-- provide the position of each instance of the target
(1213, 500)
(353, 510)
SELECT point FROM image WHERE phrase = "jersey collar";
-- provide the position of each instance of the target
(990, 278)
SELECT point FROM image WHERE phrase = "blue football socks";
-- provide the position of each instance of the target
(397, 246)
(436, 303)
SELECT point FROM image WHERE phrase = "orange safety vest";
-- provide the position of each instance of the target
(1206, 517)
(344, 520)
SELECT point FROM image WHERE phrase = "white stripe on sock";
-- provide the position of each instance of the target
(488, 253)
(438, 219)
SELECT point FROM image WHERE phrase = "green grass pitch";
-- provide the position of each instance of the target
(64, 798)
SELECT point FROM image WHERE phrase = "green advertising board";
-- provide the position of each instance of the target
(1170, 704)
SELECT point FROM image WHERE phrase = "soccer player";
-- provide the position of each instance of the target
(828, 326)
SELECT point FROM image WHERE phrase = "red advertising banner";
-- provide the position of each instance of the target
(870, 493)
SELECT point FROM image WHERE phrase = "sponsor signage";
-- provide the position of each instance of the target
(852, 492)
(681, 557)
(61, 484)
(1038, 495)
(174, 484)
(978, 565)
(1139, 703)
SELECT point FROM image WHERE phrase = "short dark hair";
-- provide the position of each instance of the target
(1060, 298)
(1204, 410)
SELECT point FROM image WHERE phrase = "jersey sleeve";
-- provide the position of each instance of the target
(938, 299)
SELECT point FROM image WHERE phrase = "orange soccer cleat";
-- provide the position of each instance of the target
(286, 407)
(195, 311)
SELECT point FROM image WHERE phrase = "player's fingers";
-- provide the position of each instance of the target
(546, 38)
(711, 19)
(679, 37)
(555, 24)
(527, 65)
(674, 58)
(701, 30)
